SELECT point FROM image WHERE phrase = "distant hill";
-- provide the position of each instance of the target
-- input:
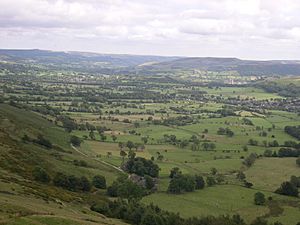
(143, 64)
(77, 60)
(244, 67)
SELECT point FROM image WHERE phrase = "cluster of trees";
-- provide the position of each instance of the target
(75, 141)
(208, 146)
(177, 121)
(259, 198)
(81, 163)
(137, 213)
(130, 145)
(40, 140)
(194, 142)
(125, 188)
(68, 123)
(247, 121)
(41, 175)
(184, 183)
(249, 161)
(283, 152)
(141, 166)
(288, 188)
(99, 181)
(290, 90)
(292, 144)
(69, 182)
(172, 139)
(226, 112)
(293, 131)
(288, 152)
(253, 142)
(72, 183)
(225, 131)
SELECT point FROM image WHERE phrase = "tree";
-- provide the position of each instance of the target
(129, 145)
(259, 221)
(84, 184)
(125, 188)
(200, 184)
(72, 182)
(123, 154)
(268, 153)
(131, 154)
(298, 161)
(114, 138)
(259, 198)
(160, 157)
(121, 145)
(41, 140)
(183, 143)
(253, 142)
(41, 175)
(213, 171)
(250, 159)
(247, 184)
(245, 148)
(210, 181)
(240, 175)
(99, 181)
(108, 154)
(141, 167)
(92, 135)
(182, 183)
(175, 172)
(149, 182)
(103, 137)
(151, 219)
(205, 146)
(295, 181)
(75, 141)
(287, 188)
(144, 139)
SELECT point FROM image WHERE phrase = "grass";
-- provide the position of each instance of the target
(269, 173)
(220, 200)
(266, 174)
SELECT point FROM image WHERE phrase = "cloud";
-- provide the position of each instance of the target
(194, 27)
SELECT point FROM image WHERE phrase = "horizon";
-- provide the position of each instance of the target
(129, 54)
(244, 29)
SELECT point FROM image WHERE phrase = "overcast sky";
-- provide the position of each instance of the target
(250, 29)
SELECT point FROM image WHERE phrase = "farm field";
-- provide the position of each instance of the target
(141, 135)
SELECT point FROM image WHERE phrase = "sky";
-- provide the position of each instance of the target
(247, 29)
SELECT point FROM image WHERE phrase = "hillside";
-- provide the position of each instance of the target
(243, 67)
(78, 61)
(22, 60)
(25, 201)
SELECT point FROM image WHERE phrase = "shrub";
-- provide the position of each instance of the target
(210, 181)
(75, 141)
(41, 175)
(200, 183)
(71, 182)
(43, 141)
(259, 198)
(298, 161)
(99, 181)
(287, 188)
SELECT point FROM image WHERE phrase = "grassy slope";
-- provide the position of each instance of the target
(25, 202)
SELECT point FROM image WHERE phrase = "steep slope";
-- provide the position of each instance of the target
(26, 201)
